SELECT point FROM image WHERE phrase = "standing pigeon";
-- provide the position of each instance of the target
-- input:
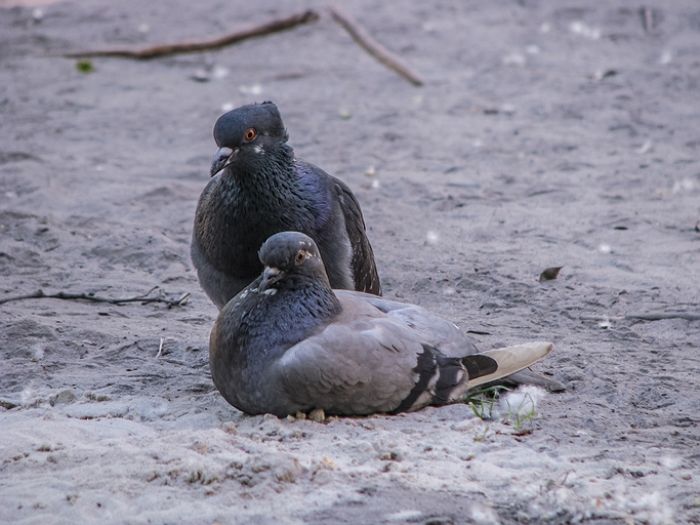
(257, 189)
(289, 343)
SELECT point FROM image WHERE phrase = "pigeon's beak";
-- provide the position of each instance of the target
(222, 158)
(270, 276)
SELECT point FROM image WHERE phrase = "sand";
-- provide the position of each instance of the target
(548, 133)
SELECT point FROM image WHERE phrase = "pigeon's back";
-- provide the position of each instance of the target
(428, 327)
(343, 227)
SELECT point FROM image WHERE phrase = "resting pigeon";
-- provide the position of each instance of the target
(257, 189)
(289, 343)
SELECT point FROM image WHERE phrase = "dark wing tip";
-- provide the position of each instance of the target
(364, 268)
(478, 365)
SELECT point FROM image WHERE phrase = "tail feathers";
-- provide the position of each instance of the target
(508, 360)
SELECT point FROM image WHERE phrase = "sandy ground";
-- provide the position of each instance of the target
(555, 133)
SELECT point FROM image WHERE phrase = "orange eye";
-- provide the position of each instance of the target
(299, 258)
(250, 134)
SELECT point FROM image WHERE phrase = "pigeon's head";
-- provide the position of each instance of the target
(245, 134)
(289, 256)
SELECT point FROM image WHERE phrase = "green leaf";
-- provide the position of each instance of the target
(84, 66)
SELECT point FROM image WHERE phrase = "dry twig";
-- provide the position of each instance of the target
(273, 26)
(652, 316)
(358, 34)
(143, 298)
(660, 316)
(373, 47)
(8, 405)
(647, 16)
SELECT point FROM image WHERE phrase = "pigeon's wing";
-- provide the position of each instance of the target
(355, 368)
(363, 267)
(429, 327)
(373, 359)
(371, 365)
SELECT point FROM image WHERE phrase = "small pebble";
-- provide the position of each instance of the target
(605, 324)
(683, 185)
(432, 237)
(579, 28)
(218, 72)
(38, 351)
(62, 398)
(254, 89)
(405, 516)
(646, 147)
(602, 74)
(514, 59)
(201, 75)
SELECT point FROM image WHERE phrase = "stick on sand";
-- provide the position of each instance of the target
(143, 298)
(273, 26)
(661, 316)
(373, 47)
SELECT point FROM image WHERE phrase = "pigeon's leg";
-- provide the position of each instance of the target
(317, 414)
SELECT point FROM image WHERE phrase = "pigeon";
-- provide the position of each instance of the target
(289, 343)
(258, 188)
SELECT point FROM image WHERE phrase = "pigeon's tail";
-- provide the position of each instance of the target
(501, 362)
(442, 379)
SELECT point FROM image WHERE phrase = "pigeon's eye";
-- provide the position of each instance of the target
(299, 258)
(250, 134)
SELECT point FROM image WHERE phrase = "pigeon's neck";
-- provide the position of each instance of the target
(269, 172)
(249, 202)
(260, 326)
(317, 301)
(313, 296)
(266, 192)
(293, 312)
